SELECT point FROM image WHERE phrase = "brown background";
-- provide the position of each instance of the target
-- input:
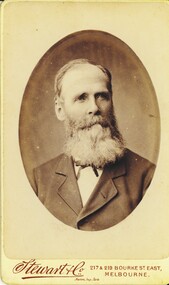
(42, 135)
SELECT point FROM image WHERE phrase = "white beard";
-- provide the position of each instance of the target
(90, 142)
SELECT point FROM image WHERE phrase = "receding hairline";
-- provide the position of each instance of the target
(78, 67)
(72, 65)
(75, 65)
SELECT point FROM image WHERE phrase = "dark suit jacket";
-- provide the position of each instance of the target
(118, 191)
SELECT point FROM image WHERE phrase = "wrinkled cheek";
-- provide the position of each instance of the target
(76, 116)
(107, 112)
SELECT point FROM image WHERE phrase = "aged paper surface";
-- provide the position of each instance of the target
(134, 251)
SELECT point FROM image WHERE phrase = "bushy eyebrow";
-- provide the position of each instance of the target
(79, 95)
(107, 94)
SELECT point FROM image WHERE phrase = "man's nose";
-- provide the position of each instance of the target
(93, 106)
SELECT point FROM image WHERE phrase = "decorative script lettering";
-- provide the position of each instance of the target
(32, 269)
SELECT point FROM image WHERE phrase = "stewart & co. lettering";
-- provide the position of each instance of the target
(32, 269)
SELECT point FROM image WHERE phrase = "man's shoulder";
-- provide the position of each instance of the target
(133, 159)
(52, 163)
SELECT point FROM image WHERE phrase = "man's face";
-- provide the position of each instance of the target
(86, 106)
(85, 93)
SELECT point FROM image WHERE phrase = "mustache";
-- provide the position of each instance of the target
(88, 122)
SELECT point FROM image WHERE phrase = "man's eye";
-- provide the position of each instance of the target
(82, 97)
(103, 96)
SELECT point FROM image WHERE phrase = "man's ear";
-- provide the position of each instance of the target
(60, 113)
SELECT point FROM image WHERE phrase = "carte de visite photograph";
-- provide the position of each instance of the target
(84, 142)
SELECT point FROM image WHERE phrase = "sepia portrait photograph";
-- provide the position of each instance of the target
(84, 137)
(85, 170)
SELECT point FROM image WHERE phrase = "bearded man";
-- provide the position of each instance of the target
(97, 182)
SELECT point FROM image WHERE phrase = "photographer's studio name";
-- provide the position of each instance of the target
(32, 269)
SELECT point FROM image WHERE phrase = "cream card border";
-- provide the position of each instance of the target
(30, 232)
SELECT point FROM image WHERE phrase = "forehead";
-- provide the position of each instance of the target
(83, 76)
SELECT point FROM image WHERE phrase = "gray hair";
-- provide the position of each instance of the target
(62, 71)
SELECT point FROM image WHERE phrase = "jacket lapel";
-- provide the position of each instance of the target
(105, 189)
(67, 186)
